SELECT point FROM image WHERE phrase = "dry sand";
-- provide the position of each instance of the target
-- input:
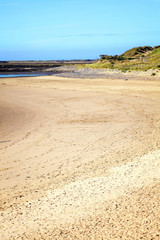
(80, 158)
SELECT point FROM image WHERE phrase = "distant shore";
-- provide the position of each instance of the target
(37, 66)
(75, 71)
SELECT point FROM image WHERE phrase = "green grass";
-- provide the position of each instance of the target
(140, 58)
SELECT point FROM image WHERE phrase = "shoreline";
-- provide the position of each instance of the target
(90, 73)
(74, 72)
(24, 74)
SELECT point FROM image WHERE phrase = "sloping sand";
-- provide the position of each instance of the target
(80, 158)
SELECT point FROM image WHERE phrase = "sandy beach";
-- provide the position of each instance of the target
(80, 158)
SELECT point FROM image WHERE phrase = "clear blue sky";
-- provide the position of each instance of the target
(75, 29)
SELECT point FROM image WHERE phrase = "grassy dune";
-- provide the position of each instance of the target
(139, 58)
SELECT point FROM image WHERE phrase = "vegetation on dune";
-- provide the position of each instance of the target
(137, 52)
(139, 58)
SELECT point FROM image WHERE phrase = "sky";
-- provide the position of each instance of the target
(76, 29)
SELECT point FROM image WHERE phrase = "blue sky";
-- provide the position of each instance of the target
(75, 29)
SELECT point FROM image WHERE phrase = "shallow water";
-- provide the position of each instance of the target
(22, 75)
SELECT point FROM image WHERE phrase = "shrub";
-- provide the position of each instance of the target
(153, 74)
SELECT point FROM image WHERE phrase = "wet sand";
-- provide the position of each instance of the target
(80, 158)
